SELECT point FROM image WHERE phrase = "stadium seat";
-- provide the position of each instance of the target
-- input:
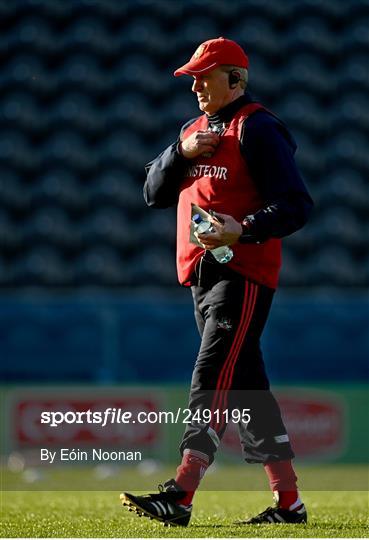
(117, 188)
(131, 108)
(356, 38)
(21, 111)
(36, 36)
(57, 10)
(42, 266)
(82, 72)
(101, 265)
(312, 35)
(17, 152)
(124, 148)
(68, 148)
(138, 72)
(353, 110)
(305, 72)
(159, 225)
(10, 236)
(346, 187)
(333, 266)
(14, 195)
(59, 187)
(348, 146)
(339, 226)
(291, 270)
(353, 74)
(108, 226)
(155, 266)
(91, 35)
(325, 9)
(51, 226)
(258, 36)
(145, 33)
(301, 110)
(77, 111)
(194, 30)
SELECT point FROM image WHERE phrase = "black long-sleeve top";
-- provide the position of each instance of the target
(269, 149)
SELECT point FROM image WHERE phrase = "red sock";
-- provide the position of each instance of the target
(190, 473)
(289, 500)
(282, 480)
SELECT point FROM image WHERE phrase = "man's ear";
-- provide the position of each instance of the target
(234, 78)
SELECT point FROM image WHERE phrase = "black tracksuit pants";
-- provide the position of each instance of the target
(229, 372)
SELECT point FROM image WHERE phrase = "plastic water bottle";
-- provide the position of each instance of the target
(222, 254)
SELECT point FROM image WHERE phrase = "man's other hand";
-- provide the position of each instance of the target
(226, 233)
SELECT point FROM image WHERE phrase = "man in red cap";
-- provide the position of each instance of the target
(235, 162)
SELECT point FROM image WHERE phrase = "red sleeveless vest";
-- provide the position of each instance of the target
(223, 183)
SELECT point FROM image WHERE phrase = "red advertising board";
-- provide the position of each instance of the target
(29, 431)
(315, 422)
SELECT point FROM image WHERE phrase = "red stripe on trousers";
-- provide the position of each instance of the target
(234, 342)
(245, 327)
(226, 374)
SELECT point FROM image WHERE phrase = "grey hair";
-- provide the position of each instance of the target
(227, 68)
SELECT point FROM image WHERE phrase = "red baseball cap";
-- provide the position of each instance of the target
(212, 54)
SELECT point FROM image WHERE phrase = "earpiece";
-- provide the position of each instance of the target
(234, 78)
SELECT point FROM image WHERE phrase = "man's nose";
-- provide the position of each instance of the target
(197, 85)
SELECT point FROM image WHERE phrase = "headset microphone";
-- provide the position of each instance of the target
(234, 78)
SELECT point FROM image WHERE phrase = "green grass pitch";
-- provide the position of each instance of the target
(40, 514)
